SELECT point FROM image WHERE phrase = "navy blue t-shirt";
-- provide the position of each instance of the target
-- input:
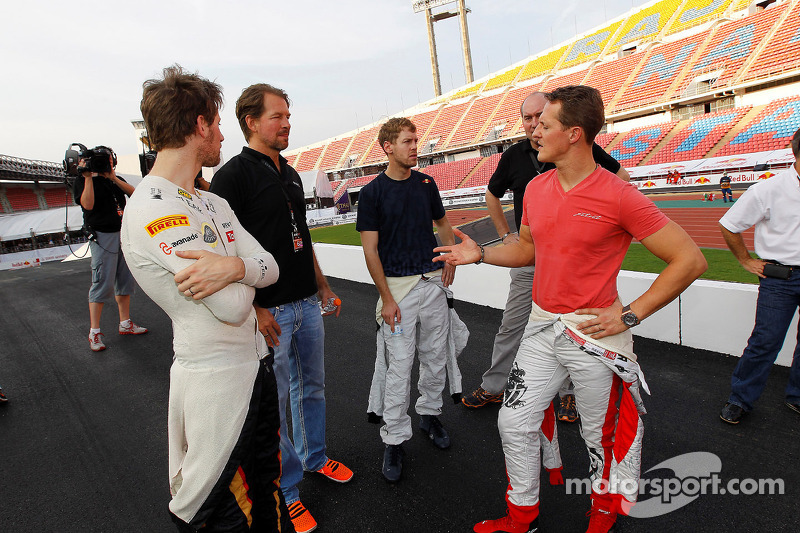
(402, 212)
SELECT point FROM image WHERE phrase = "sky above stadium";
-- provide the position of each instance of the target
(73, 71)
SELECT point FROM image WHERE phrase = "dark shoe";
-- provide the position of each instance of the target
(393, 462)
(431, 426)
(567, 411)
(480, 398)
(793, 406)
(4, 398)
(505, 525)
(731, 413)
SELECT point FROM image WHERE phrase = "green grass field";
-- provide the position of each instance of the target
(721, 264)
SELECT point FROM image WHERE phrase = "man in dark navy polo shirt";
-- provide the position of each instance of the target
(396, 213)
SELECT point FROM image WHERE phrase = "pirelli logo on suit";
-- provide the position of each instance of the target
(169, 221)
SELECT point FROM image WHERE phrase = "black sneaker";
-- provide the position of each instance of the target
(431, 426)
(480, 398)
(393, 462)
(793, 406)
(731, 413)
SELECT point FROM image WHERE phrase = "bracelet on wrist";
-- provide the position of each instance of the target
(479, 261)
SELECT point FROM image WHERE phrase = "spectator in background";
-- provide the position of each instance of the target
(725, 186)
(773, 207)
(101, 196)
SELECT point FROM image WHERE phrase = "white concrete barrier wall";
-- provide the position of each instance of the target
(710, 315)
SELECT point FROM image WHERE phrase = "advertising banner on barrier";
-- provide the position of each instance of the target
(32, 258)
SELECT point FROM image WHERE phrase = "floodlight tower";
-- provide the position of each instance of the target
(430, 17)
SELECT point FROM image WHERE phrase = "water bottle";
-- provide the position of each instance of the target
(397, 342)
(398, 329)
(330, 307)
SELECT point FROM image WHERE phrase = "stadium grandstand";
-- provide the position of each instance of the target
(699, 86)
(39, 220)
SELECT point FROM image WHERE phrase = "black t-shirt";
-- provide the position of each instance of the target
(109, 202)
(519, 164)
(402, 212)
(257, 193)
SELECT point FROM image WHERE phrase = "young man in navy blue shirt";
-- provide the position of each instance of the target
(396, 213)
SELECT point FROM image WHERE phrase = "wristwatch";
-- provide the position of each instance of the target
(628, 317)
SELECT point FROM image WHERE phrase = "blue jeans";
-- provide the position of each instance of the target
(300, 372)
(778, 300)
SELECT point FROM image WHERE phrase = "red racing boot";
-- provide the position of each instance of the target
(520, 519)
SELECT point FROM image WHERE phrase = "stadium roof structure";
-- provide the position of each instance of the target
(652, 60)
(18, 169)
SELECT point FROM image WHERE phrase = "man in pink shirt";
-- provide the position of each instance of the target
(577, 224)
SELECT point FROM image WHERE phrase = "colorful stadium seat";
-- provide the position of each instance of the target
(308, 159)
(590, 47)
(696, 12)
(473, 124)
(772, 129)
(332, 158)
(22, 198)
(781, 52)
(646, 24)
(637, 143)
(699, 136)
(731, 45)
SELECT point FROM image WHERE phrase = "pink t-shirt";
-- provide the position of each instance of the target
(581, 237)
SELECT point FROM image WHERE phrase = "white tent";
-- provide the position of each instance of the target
(19, 225)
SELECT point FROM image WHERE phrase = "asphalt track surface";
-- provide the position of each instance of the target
(83, 439)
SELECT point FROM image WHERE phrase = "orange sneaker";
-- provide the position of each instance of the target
(301, 519)
(336, 471)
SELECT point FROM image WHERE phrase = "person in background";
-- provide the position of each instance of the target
(773, 207)
(102, 197)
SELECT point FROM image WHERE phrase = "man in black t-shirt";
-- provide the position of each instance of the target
(517, 167)
(396, 213)
(267, 196)
(101, 196)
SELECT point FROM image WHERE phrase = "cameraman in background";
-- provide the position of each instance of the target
(101, 195)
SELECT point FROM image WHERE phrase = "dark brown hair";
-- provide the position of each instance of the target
(392, 128)
(796, 144)
(581, 106)
(170, 106)
(251, 102)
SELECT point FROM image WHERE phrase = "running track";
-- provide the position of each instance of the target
(701, 223)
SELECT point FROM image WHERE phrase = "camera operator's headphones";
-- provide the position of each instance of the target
(107, 150)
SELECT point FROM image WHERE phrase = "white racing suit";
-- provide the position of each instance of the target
(218, 425)
(605, 374)
(431, 327)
